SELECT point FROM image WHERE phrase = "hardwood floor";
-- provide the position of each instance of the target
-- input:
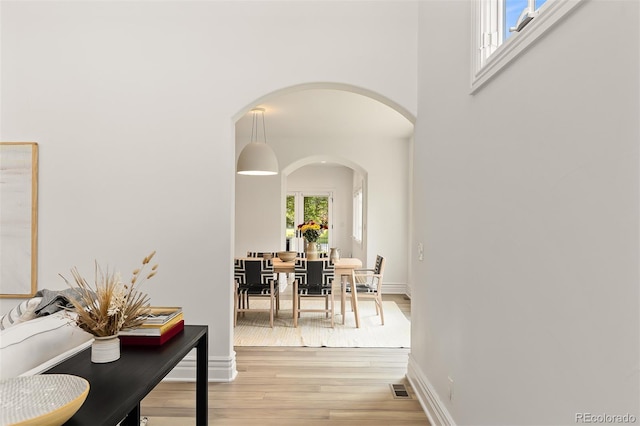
(292, 386)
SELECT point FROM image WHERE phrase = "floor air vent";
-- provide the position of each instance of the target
(400, 392)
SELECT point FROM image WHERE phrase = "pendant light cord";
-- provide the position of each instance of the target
(254, 125)
(264, 129)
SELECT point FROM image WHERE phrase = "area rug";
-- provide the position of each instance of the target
(314, 330)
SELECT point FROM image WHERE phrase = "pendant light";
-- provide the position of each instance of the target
(257, 158)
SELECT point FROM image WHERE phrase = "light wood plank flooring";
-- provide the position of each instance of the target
(293, 386)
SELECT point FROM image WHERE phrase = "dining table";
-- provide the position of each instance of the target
(343, 268)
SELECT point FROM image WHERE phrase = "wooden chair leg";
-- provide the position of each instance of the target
(242, 302)
(332, 309)
(295, 303)
(343, 298)
(271, 309)
(326, 307)
(240, 298)
(379, 303)
(235, 308)
(354, 303)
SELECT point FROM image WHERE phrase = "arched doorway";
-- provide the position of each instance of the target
(333, 125)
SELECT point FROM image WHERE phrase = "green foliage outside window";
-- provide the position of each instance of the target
(291, 212)
(315, 208)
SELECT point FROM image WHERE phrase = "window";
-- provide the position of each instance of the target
(302, 207)
(290, 219)
(517, 14)
(502, 29)
(357, 215)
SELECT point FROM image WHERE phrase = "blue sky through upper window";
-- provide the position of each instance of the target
(512, 11)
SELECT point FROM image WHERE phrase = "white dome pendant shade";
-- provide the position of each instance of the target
(257, 158)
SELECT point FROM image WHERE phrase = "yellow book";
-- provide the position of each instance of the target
(153, 330)
(160, 315)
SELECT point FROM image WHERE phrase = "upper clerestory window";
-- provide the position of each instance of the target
(503, 29)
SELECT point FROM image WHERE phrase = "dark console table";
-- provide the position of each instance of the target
(116, 388)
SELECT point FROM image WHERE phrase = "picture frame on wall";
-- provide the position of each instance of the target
(18, 218)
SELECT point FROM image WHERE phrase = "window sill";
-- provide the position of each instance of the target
(550, 14)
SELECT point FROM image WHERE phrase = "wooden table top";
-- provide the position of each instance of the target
(344, 263)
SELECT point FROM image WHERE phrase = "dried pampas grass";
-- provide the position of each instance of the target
(111, 306)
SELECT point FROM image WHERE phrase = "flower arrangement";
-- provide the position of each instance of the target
(112, 305)
(311, 230)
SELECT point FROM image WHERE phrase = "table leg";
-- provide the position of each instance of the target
(133, 418)
(202, 380)
(354, 303)
(343, 296)
(295, 303)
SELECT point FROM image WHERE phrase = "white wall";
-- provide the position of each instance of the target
(132, 104)
(528, 295)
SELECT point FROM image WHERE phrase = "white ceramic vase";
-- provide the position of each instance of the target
(334, 254)
(311, 249)
(105, 349)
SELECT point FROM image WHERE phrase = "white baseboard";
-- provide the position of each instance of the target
(394, 288)
(429, 399)
(221, 369)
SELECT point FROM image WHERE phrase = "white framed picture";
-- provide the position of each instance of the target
(18, 218)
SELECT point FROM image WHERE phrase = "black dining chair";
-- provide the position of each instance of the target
(255, 278)
(265, 254)
(313, 279)
(321, 255)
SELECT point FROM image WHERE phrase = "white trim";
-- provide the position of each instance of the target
(550, 14)
(395, 288)
(220, 369)
(428, 397)
(358, 216)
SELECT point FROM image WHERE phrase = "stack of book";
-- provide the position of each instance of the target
(162, 324)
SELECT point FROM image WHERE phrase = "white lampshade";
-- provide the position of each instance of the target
(257, 158)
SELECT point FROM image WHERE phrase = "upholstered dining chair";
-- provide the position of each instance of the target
(368, 285)
(255, 278)
(266, 254)
(313, 278)
(303, 255)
